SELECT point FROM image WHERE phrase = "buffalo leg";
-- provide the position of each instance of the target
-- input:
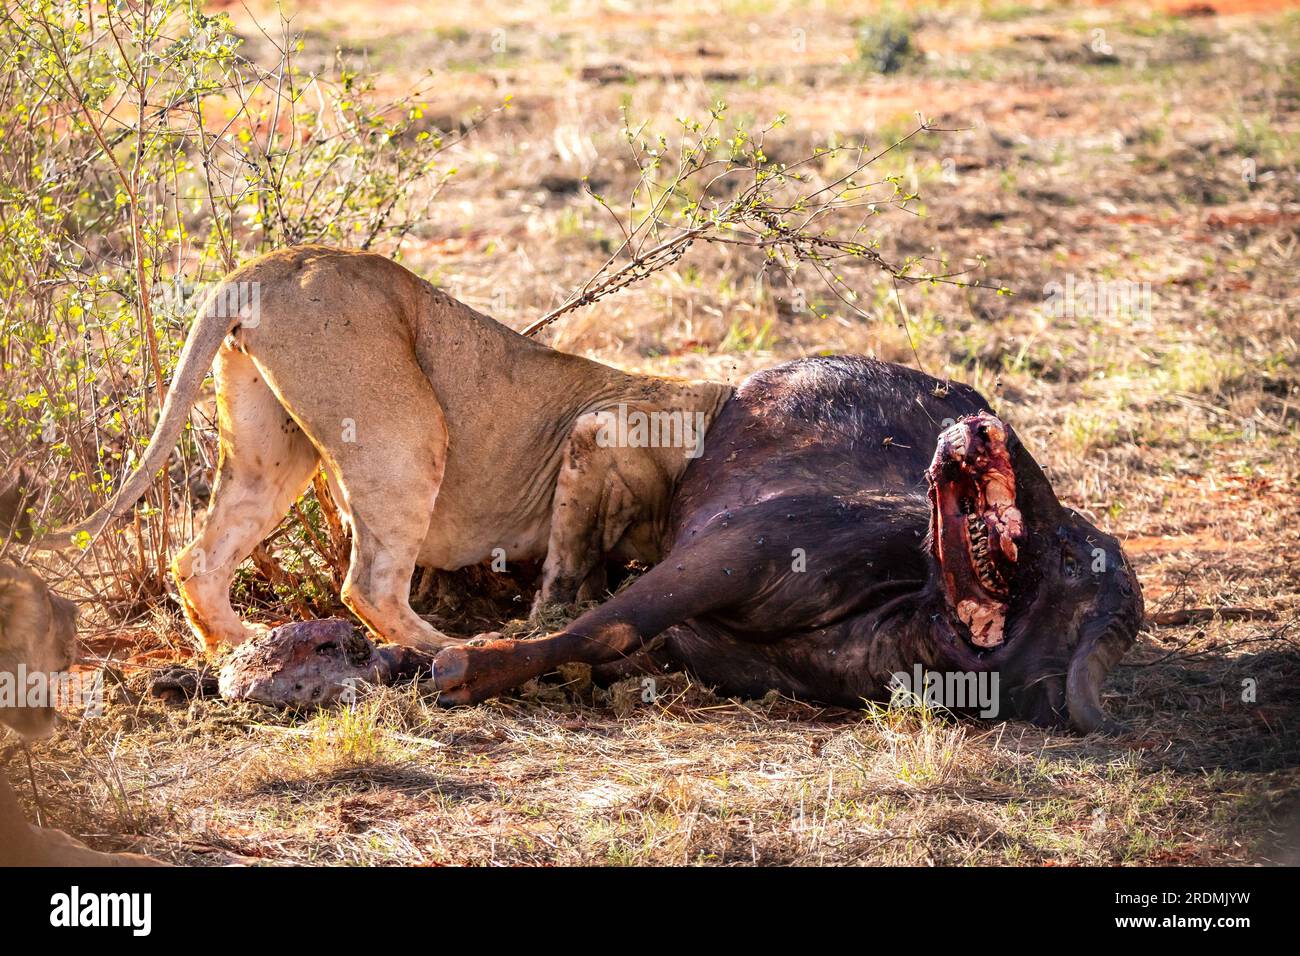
(671, 592)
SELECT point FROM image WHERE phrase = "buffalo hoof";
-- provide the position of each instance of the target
(471, 674)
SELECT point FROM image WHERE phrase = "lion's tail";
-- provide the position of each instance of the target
(212, 324)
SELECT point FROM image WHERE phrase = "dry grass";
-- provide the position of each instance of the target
(578, 775)
(1175, 430)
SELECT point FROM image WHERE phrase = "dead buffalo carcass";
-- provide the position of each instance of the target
(848, 521)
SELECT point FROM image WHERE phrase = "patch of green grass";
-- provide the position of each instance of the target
(1007, 12)
(1198, 370)
(748, 337)
(884, 41)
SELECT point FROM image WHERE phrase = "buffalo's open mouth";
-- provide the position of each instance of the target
(975, 523)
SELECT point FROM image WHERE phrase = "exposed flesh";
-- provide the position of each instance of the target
(977, 522)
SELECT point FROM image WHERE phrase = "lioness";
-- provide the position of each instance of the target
(37, 630)
(447, 439)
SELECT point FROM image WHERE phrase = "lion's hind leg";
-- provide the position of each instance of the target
(387, 461)
(389, 495)
(266, 463)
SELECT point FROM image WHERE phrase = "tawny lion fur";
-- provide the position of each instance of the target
(446, 438)
(37, 631)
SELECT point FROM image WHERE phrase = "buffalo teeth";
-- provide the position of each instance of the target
(956, 441)
(981, 552)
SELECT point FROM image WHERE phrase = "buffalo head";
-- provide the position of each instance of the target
(1027, 587)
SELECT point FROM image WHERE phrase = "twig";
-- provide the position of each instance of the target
(1198, 615)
